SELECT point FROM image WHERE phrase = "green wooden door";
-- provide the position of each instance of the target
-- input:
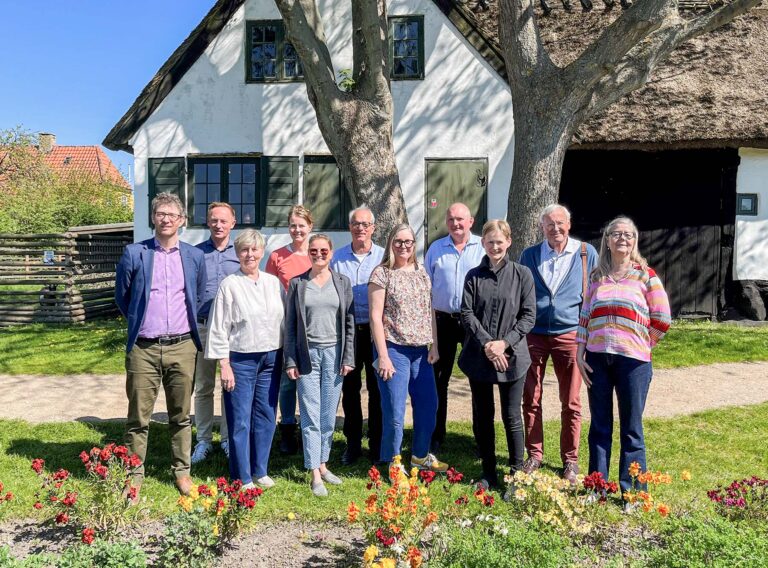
(449, 181)
(324, 193)
(280, 184)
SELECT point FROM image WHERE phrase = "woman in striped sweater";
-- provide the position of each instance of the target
(624, 314)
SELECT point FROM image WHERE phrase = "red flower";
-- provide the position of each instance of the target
(101, 471)
(463, 500)
(88, 535)
(38, 505)
(204, 490)
(53, 498)
(454, 476)
(120, 451)
(8, 496)
(221, 483)
(132, 493)
(383, 539)
(427, 476)
(85, 457)
(105, 454)
(69, 499)
(37, 465)
(488, 500)
(375, 477)
(62, 519)
(134, 461)
(61, 475)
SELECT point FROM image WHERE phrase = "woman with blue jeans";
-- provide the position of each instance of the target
(624, 315)
(403, 327)
(245, 333)
(319, 352)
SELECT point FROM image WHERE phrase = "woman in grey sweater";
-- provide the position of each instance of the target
(319, 351)
(498, 310)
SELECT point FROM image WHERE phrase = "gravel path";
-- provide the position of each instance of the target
(102, 397)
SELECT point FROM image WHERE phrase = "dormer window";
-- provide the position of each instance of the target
(269, 56)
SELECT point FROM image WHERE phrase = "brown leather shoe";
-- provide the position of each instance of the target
(570, 471)
(184, 484)
(131, 493)
(531, 465)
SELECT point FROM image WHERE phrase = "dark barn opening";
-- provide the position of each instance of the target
(683, 202)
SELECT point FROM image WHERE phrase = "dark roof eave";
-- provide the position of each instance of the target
(657, 145)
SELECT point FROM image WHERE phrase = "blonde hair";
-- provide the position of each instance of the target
(215, 204)
(247, 239)
(389, 258)
(322, 236)
(300, 211)
(603, 267)
(497, 225)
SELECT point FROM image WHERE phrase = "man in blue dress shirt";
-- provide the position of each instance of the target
(220, 261)
(356, 261)
(447, 262)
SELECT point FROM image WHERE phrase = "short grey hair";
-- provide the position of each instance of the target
(166, 198)
(247, 239)
(551, 208)
(362, 208)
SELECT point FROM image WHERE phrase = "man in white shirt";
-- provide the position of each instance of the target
(447, 262)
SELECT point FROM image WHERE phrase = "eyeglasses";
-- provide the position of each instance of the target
(173, 217)
(319, 252)
(399, 243)
(360, 224)
(551, 226)
(616, 235)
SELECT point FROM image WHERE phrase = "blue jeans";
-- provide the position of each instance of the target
(631, 379)
(319, 393)
(287, 400)
(413, 376)
(251, 411)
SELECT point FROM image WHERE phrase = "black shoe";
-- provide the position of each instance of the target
(351, 455)
(374, 454)
(288, 443)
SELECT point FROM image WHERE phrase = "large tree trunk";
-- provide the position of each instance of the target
(540, 145)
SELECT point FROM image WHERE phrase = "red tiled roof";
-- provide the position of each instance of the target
(89, 160)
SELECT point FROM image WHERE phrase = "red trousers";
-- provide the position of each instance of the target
(562, 349)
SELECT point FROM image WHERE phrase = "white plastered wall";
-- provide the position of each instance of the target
(751, 251)
(462, 109)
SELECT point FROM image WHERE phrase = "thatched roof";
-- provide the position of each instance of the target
(713, 91)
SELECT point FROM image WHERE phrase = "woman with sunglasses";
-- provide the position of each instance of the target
(403, 328)
(624, 315)
(319, 350)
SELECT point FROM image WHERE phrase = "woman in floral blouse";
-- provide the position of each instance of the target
(405, 343)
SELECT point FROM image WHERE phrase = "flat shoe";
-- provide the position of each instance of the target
(328, 477)
(318, 489)
(265, 482)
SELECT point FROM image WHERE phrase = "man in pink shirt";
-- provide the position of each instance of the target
(159, 285)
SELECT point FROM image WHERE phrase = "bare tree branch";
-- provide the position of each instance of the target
(369, 24)
(716, 18)
(524, 51)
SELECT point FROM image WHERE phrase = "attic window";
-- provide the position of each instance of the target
(406, 47)
(269, 57)
(67, 160)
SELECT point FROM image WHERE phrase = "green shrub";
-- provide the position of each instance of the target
(189, 541)
(690, 542)
(32, 561)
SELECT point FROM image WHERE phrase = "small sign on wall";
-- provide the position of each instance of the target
(47, 257)
(746, 204)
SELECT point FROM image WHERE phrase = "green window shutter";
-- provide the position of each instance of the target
(280, 184)
(165, 175)
(324, 194)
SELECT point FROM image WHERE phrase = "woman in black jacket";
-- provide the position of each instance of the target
(497, 311)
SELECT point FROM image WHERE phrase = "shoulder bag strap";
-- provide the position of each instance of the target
(583, 270)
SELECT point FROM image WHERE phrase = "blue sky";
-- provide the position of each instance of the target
(74, 68)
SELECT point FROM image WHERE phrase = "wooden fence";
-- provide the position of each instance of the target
(58, 278)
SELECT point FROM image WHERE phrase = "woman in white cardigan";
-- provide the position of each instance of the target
(245, 334)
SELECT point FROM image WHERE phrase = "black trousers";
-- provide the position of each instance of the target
(351, 400)
(483, 413)
(450, 334)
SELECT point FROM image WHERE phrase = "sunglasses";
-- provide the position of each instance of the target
(403, 244)
(319, 252)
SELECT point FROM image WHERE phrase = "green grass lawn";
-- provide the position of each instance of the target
(716, 447)
(98, 347)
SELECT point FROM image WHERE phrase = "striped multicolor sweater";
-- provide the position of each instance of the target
(627, 317)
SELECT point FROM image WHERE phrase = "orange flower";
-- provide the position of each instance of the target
(645, 497)
(415, 557)
(394, 528)
(629, 497)
(352, 512)
(663, 509)
(634, 469)
(647, 507)
(430, 518)
(426, 501)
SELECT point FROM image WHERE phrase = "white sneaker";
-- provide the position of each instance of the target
(225, 447)
(265, 482)
(202, 449)
(248, 485)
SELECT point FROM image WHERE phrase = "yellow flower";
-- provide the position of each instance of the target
(388, 563)
(426, 501)
(685, 475)
(193, 494)
(414, 472)
(396, 460)
(206, 503)
(370, 554)
(214, 490)
(215, 530)
(185, 503)
(291, 516)
(520, 494)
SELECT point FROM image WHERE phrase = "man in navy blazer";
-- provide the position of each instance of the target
(159, 287)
